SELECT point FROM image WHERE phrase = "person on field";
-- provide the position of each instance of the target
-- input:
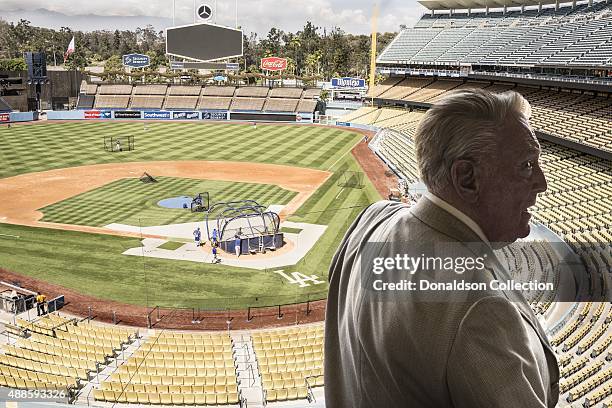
(237, 244)
(214, 253)
(197, 236)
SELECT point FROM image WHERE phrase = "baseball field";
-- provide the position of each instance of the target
(60, 188)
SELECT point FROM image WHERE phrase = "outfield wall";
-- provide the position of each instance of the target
(177, 115)
(6, 117)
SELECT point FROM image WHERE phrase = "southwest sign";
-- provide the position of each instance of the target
(273, 63)
(347, 82)
(136, 60)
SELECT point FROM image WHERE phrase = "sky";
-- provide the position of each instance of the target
(352, 16)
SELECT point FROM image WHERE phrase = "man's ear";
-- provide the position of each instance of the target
(465, 180)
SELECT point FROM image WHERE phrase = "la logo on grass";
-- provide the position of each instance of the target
(298, 278)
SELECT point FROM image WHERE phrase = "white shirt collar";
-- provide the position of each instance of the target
(459, 215)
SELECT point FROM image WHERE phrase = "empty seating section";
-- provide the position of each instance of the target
(381, 88)
(181, 102)
(218, 91)
(112, 101)
(88, 89)
(150, 90)
(162, 96)
(248, 104)
(405, 88)
(176, 369)
(579, 36)
(311, 93)
(434, 89)
(581, 117)
(58, 353)
(85, 101)
(214, 102)
(280, 105)
(146, 102)
(114, 89)
(306, 106)
(252, 91)
(184, 90)
(290, 361)
(293, 93)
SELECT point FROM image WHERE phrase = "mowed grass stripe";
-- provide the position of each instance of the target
(44, 147)
(129, 201)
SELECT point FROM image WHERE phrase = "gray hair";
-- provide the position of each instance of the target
(465, 124)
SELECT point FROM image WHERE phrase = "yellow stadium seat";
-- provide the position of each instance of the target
(166, 399)
(153, 398)
(174, 389)
(211, 399)
(292, 393)
(143, 397)
(109, 396)
(121, 397)
(98, 395)
(177, 399)
(188, 399)
(281, 394)
(271, 395)
(232, 398)
(200, 399)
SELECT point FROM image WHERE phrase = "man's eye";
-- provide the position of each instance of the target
(529, 165)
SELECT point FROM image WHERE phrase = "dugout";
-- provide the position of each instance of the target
(257, 229)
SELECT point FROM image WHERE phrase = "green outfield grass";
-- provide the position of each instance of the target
(129, 201)
(93, 264)
(28, 149)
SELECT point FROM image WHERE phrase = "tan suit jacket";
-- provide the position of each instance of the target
(479, 349)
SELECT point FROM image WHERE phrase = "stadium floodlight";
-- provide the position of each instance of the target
(204, 42)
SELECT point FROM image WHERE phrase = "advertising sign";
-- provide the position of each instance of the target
(127, 114)
(92, 114)
(214, 115)
(154, 115)
(136, 60)
(177, 65)
(105, 114)
(348, 82)
(273, 63)
(185, 115)
(4, 117)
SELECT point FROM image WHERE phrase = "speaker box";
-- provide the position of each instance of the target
(37, 65)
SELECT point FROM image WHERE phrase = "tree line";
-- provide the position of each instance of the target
(309, 51)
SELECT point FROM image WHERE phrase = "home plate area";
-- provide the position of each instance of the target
(296, 245)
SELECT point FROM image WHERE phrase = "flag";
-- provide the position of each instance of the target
(70, 50)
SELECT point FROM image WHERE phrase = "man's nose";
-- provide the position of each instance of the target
(540, 184)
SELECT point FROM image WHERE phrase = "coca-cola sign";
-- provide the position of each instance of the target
(273, 63)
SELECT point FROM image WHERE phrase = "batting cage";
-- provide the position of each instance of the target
(351, 179)
(118, 143)
(246, 224)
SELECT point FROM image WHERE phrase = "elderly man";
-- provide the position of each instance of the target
(391, 341)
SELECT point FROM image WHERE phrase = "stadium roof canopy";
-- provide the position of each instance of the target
(481, 4)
